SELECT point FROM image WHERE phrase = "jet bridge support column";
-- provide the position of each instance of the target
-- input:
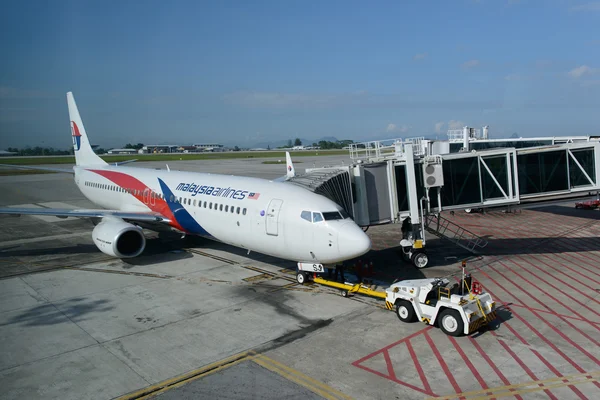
(411, 183)
(413, 244)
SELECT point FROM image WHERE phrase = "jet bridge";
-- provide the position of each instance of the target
(390, 182)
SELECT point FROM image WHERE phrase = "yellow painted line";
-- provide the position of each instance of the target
(538, 389)
(188, 377)
(522, 387)
(301, 379)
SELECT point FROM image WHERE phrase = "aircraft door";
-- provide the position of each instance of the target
(272, 224)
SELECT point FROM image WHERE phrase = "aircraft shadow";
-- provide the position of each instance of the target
(74, 310)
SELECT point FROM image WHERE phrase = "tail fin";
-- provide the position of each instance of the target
(291, 171)
(84, 155)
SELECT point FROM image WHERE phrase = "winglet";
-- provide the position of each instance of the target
(291, 171)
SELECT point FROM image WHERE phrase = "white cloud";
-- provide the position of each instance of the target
(452, 124)
(470, 64)
(395, 128)
(591, 6)
(439, 126)
(581, 71)
(419, 56)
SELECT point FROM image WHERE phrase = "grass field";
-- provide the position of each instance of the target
(171, 157)
(10, 172)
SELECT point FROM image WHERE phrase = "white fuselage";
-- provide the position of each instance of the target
(274, 218)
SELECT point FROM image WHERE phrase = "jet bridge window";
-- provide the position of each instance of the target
(306, 215)
(317, 217)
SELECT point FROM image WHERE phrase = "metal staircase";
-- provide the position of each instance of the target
(446, 229)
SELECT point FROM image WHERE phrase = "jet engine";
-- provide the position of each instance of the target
(117, 238)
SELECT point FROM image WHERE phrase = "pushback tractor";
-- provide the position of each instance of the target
(435, 302)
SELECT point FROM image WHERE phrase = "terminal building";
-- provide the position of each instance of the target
(178, 148)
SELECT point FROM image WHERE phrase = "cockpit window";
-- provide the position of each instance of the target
(344, 214)
(332, 215)
(306, 215)
(317, 217)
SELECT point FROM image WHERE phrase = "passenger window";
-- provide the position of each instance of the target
(221, 207)
(317, 217)
(210, 206)
(226, 208)
(238, 210)
(204, 204)
(232, 209)
(306, 215)
(171, 198)
(244, 211)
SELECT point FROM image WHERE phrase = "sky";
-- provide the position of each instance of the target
(248, 72)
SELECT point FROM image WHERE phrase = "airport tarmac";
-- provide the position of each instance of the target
(196, 319)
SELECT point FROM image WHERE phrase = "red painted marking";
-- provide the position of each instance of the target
(411, 386)
(418, 367)
(543, 337)
(555, 288)
(541, 303)
(388, 362)
(129, 182)
(525, 367)
(442, 363)
(558, 374)
(538, 259)
(394, 344)
(469, 364)
(551, 313)
(492, 365)
(575, 255)
(539, 356)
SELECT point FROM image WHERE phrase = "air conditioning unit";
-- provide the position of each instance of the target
(433, 175)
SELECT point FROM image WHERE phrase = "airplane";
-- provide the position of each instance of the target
(269, 217)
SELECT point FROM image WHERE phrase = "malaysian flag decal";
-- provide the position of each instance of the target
(253, 196)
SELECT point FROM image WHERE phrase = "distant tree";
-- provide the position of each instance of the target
(100, 150)
(129, 146)
(289, 143)
(315, 145)
(138, 146)
(297, 142)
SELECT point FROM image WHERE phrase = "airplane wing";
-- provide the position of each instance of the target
(124, 162)
(63, 170)
(82, 213)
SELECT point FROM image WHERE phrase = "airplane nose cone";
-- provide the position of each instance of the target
(352, 241)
